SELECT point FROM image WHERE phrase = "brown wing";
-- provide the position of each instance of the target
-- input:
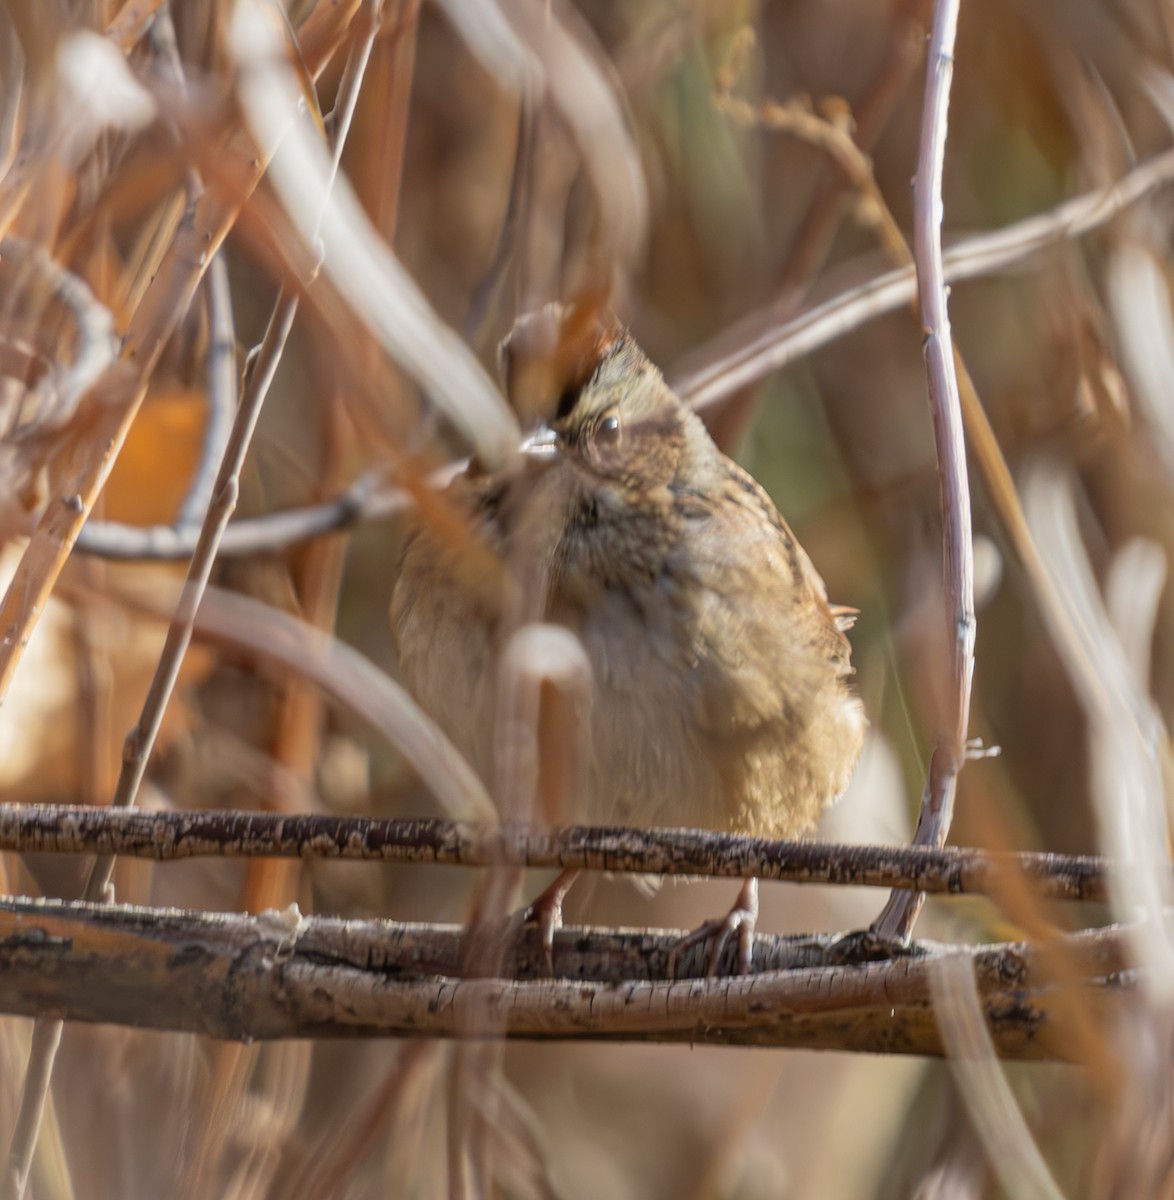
(766, 640)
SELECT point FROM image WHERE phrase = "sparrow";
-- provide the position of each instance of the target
(719, 693)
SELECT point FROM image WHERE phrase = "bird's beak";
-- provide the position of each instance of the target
(540, 448)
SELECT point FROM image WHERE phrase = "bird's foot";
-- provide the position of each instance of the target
(865, 946)
(547, 913)
(740, 921)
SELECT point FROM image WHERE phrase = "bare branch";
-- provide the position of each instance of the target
(937, 802)
(281, 975)
(171, 836)
(141, 740)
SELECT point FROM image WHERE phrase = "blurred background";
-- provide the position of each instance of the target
(686, 159)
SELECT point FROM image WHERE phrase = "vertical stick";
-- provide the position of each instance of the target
(937, 801)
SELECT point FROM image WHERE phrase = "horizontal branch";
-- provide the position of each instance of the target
(164, 836)
(280, 975)
(367, 500)
(363, 501)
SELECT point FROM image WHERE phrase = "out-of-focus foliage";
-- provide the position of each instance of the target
(496, 199)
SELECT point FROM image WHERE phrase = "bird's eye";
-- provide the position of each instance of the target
(607, 432)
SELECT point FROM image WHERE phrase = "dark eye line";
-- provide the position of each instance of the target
(567, 402)
(570, 395)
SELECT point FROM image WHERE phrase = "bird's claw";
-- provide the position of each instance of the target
(866, 946)
(741, 920)
(547, 913)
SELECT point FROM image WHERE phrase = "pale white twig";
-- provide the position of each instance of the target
(361, 265)
(937, 804)
(767, 346)
(222, 396)
(981, 1084)
(40, 301)
(1106, 653)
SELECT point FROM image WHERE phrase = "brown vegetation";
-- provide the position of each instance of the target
(735, 179)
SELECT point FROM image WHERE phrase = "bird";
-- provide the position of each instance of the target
(719, 692)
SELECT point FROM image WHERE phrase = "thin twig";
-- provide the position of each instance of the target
(280, 975)
(871, 113)
(970, 258)
(141, 739)
(363, 502)
(767, 346)
(222, 399)
(34, 1095)
(937, 804)
(831, 129)
(1004, 498)
(171, 836)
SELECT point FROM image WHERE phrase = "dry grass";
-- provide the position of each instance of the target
(736, 179)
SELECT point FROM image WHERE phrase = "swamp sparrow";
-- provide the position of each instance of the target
(719, 695)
